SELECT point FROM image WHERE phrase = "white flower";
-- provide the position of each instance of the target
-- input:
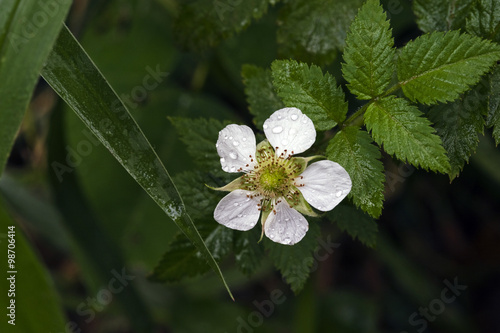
(275, 183)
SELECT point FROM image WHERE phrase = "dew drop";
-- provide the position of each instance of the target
(216, 145)
(222, 160)
(277, 129)
(284, 142)
(226, 168)
(287, 219)
(236, 204)
(233, 169)
(279, 117)
(236, 143)
(294, 117)
(225, 137)
(265, 126)
(304, 121)
(233, 155)
(244, 139)
(240, 215)
(271, 236)
(287, 240)
(338, 194)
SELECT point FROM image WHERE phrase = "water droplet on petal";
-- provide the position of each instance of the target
(277, 129)
(304, 120)
(216, 145)
(240, 215)
(233, 169)
(279, 117)
(226, 168)
(225, 137)
(265, 126)
(236, 204)
(287, 240)
(236, 143)
(284, 142)
(230, 138)
(233, 155)
(222, 160)
(243, 139)
(287, 219)
(271, 236)
(294, 117)
(338, 194)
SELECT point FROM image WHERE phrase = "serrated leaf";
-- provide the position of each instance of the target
(438, 67)
(200, 136)
(306, 88)
(295, 262)
(369, 53)
(204, 23)
(313, 31)
(356, 223)
(182, 259)
(484, 19)
(493, 119)
(438, 15)
(459, 123)
(404, 132)
(248, 252)
(261, 96)
(352, 148)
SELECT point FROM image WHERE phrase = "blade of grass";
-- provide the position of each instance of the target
(73, 75)
(28, 29)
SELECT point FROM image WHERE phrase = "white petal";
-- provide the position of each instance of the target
(326, 184)
(287, 226)
(237, 211)
(235, 145)
(291, 130)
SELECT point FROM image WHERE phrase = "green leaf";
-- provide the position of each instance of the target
(435, 15)
(247, 250)
(355, 223)
(306, 88)
(25, 43)
(204, 23)
(33, 286)
(71, 73)
(369, 53)
(493, 119)
(404, 132)
(459, 123)
(295, 262)
(261, 96)
(182, 258)
(313, 31)
(200, 136)
(484, 19)
(438, 67)
(352, 148)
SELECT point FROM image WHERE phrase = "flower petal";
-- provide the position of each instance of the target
(326, 184)
(287, 226)
(291, 130)
(238, 211)
(235, 145)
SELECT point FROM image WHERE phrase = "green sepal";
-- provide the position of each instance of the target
(236, 184)
(263, 220)
(303, 206)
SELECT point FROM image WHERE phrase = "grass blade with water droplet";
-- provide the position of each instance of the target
(73, 75)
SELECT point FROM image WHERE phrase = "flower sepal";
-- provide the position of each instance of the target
(236, 184)
(302, 206)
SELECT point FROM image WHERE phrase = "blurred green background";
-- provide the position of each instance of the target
(98, 223)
